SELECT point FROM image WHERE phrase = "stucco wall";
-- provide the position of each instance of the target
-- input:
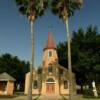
(10, 87)
(34, 91)
(26, 83)
(64, 91)
(47, 60)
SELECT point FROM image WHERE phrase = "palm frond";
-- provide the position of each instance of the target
(59, 5)
(36, 8)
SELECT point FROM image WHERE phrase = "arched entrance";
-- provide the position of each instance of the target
(50, 86)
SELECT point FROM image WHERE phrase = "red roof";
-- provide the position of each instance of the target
(50, 44)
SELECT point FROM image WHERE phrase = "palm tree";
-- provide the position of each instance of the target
(32, 9)
(64, 9)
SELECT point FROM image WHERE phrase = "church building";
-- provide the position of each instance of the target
(50, 77)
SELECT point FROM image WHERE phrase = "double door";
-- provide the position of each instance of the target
(50, 88)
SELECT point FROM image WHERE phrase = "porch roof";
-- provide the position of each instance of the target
(6, 77)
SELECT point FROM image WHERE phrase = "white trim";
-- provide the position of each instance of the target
(50, 82)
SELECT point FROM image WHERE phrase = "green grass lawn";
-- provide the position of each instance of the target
(80, 97)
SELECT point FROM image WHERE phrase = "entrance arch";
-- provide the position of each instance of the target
(50, 86)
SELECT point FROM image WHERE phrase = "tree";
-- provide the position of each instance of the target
(64, 9)
(85, 55)
(88, 55)
(32, 9)
(62, 47)
(15, 67)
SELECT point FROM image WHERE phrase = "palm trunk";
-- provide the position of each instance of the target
(31, 63)
(71, 97)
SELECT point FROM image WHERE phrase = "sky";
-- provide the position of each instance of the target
(15, 28)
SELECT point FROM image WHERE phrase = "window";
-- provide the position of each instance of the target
(3, 85)
(35, 85)
(61, 72)
(50, 69)
(50, 53)
(65, 84)
(39, 71)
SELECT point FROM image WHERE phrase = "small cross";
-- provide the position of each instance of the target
(50, 27)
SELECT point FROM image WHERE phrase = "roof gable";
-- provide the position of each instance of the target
(6, 77)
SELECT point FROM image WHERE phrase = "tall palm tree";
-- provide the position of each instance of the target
(32, 9)
(64, 9)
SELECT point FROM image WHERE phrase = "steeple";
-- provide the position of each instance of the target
(50, 44)
(49, 51)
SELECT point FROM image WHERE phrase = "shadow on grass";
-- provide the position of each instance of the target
(7, 96)
(17, 96)
(91, 97)
(63, 98)
(37, 98)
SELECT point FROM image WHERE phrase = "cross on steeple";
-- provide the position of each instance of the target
(50, 27)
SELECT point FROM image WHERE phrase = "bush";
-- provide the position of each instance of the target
(87, 92)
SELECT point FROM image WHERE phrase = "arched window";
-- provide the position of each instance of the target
(50, 53)
(50, 69)
(35, 84)
(50, 80)
(39, 71)
(65, 84)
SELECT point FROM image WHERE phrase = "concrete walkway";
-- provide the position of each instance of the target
(50, 97)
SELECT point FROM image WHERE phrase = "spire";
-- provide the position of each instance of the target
(50, 44)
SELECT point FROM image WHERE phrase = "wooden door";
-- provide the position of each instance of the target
(50, 88)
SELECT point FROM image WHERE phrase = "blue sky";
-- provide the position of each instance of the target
(15, 29)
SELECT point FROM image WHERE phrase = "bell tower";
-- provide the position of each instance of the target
(49, 51)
